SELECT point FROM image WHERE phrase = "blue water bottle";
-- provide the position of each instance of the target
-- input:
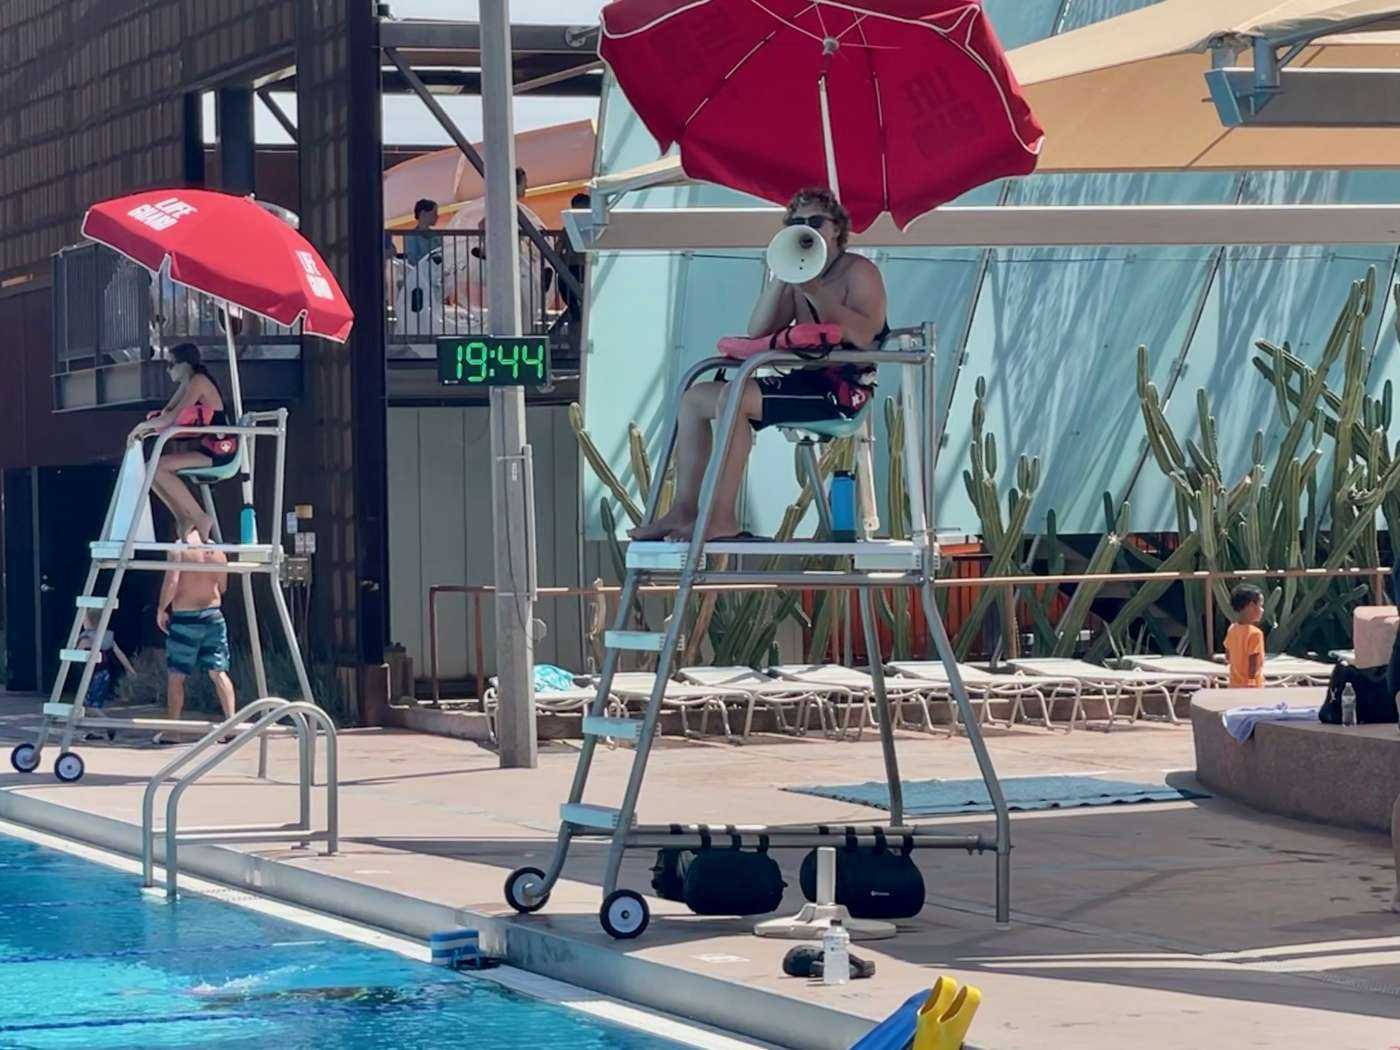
(843, 507)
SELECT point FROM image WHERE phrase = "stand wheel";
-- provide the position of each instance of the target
(68, 767)
(25, 758)
(624, 914)
(522, 886)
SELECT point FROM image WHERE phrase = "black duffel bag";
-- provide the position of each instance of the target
(873, 882)
(1374, 700)
(668, 873)
(733, 881)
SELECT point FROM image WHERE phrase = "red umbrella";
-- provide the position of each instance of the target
(230, 248)
(897, 105)
(234, 250)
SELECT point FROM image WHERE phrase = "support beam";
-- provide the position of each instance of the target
(512, 489)
(278, 113)
(236, 140)
(1306, 98)
(950, 227)
(193, 114)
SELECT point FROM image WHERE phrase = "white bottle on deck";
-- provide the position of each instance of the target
(836, 955)
(1349, 705)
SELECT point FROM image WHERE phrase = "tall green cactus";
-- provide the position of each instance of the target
(1300, 508)
(1005, 540)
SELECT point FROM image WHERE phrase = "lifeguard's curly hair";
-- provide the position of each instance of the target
(823, 198)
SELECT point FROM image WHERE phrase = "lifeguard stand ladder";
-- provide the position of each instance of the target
(874, 563)
(117, 553)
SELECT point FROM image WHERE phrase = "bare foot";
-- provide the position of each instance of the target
(717, 528)
(663, 526)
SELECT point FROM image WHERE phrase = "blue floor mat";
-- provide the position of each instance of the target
(926, 798)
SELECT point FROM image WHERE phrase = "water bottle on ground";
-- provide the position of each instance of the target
(836, 954)
(1349, 705)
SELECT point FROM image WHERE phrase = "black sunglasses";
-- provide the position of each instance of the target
(814, 221)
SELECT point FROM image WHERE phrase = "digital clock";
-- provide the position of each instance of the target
(489, 360)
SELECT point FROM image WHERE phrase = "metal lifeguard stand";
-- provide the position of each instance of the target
(119, 551)
(874, 563)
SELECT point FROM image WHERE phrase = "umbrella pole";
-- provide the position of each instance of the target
(247, 522)
(832, 183)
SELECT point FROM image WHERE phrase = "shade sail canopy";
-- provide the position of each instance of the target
(1129, 93)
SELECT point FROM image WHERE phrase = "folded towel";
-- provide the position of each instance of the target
(1240, 721)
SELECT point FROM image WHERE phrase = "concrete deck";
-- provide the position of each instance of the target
(1196, 923)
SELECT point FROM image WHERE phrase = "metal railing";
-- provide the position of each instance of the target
(606, 593)
(436, 286)
(257, 718)
(111, 311)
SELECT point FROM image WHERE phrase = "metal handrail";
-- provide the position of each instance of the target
(268, 711)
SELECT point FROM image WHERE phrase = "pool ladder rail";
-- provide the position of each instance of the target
(253, 722)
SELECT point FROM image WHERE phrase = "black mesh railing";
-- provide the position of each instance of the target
(436, 284)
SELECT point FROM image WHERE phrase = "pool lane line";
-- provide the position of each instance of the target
(537, 986)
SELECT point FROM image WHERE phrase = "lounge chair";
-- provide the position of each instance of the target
(636, 686)
(1279, 669)
(569, 702)
(1111, 684)
(983, 687)
(774, 694)
(859, 690)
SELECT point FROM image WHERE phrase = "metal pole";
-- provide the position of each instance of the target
(511, 488)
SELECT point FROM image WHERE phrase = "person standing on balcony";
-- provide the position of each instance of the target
(416, 246)
(195, 403)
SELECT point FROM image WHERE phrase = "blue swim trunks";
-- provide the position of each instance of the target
(197, 641)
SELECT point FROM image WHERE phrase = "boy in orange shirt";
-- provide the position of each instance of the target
(1244, 641)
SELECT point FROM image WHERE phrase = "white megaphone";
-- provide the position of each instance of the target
(796, 254)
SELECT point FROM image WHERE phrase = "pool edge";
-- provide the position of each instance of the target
(739, 1009)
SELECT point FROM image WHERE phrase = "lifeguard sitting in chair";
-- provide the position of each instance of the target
(822, 291)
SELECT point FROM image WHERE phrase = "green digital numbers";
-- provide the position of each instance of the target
(535, 361)
(491, 361)
(508, 356)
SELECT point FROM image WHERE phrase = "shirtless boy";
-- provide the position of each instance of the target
(190, 615)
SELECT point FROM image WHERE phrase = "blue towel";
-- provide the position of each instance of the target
(1240, 721)
(925, 798)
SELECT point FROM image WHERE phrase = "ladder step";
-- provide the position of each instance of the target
(74, 656)
(57, 710)
(94, 601)
(639, 641)
(111, 550)
(617, 728)
(583, 815)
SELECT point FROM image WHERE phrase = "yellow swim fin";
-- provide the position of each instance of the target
(944, 990)
(957, 1019)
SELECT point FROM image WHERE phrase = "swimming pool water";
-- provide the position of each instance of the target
(88, 961)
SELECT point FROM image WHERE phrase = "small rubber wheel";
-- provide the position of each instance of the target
(519, 888)
(68, 767)
(25, 758)
(624, 914)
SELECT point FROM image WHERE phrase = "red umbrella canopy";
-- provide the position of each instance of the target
(920, 103)
(230, 248)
